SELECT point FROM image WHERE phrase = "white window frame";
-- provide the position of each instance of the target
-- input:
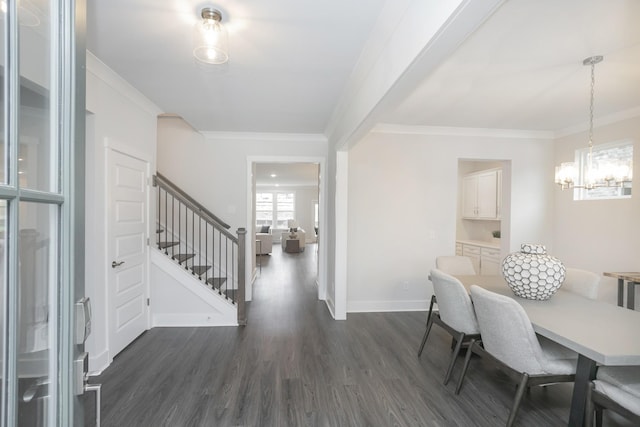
(601, 193)
(274, 207)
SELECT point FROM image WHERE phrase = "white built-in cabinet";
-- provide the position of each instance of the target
(486, 259)
(481, 194)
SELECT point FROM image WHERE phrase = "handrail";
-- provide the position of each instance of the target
(158, 177)
(200, 242)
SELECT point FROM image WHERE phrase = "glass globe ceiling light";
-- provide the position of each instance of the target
(606, 173)
(210, 39)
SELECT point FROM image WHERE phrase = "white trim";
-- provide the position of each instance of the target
(387, 306)
(341, 235)
(460, 131)
(101, 361)
(127, 150)
(322, 196)
(602, 121)
(121, 86)
(265, 136)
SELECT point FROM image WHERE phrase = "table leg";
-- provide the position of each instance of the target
(631, 295)
(585, 372)
(620, 292)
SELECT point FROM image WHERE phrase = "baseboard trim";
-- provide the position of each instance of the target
(189, 320)
(386, 306)
(98, 363)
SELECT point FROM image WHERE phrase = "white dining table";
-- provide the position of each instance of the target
(601, 333)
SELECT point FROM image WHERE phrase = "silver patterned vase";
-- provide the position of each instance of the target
(532, 274)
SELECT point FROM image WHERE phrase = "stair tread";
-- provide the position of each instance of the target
(216, 282)
(199, 270)
(163, 245)
(183, 257)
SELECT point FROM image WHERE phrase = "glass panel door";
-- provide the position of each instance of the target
(37, 235)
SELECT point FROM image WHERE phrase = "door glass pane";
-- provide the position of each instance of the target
(35, 152)
(3, 157)
(3, 280)
(36, 323)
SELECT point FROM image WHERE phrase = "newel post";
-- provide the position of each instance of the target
(242, 313)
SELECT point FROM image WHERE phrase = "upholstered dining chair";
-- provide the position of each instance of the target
(455, 265)
(455, 314)
(508, 338)
(615, 388)
(581, 282)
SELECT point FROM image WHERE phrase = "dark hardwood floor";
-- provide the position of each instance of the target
(292, 365)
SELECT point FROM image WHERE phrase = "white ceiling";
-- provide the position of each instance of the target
(290, 61)
(523, 69)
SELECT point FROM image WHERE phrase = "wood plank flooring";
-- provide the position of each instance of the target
(292, 365)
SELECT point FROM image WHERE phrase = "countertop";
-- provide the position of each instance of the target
(482, 244)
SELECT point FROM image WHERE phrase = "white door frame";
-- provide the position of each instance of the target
(116, 146)
(322, 195)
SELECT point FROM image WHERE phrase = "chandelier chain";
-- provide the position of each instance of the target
(593, 83)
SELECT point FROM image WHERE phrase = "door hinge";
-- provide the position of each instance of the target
(148, 302)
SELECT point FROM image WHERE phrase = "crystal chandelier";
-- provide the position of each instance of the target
(600, 173)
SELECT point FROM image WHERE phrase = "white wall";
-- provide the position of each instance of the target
(600, 235)
(213, 168)
(120, 116)
(403, 206)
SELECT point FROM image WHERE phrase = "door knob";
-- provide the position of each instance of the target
(116, 264)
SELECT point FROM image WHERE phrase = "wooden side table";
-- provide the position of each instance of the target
(292, 245)
(632, 279)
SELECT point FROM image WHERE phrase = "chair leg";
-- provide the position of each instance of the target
(429, 325)
(454, 357)
(516, 403)
(467, 359)
(589, 408)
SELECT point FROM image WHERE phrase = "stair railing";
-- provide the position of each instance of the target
(200, 242)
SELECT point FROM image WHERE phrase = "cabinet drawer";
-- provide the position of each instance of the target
(459, 249)
(490, 253)
(468, 250)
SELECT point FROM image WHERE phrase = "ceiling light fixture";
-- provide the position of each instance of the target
(210, 38)
(604, 173)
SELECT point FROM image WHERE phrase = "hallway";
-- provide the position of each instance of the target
(292, 365)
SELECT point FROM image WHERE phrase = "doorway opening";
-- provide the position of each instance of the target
(286, 212)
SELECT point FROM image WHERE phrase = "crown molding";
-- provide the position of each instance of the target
(265, 136)
(102, 71)
(461, 131)
(602, 121)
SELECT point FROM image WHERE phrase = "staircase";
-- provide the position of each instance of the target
(200, 242)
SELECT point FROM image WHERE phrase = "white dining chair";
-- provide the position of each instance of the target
(455, 265)
(615, 388)
(455, 315)
(508, 338)
(581, 282)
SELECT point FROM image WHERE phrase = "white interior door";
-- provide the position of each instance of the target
(127, 281)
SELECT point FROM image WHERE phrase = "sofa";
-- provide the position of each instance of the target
(265, 237)
(301, 236)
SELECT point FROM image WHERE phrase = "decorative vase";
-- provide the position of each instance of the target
(532, 274)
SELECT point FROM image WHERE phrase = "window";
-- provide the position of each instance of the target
(275, 209)
(605, 156)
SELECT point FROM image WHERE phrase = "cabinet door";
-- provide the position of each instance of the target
(469, 196)
(490, 262)
(487, 197)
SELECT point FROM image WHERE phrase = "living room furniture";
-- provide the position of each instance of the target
(509, 339)
(291, 245)
(266, 242)
(632, 279)
(599, 332)
(455, 314)
(300, 236)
